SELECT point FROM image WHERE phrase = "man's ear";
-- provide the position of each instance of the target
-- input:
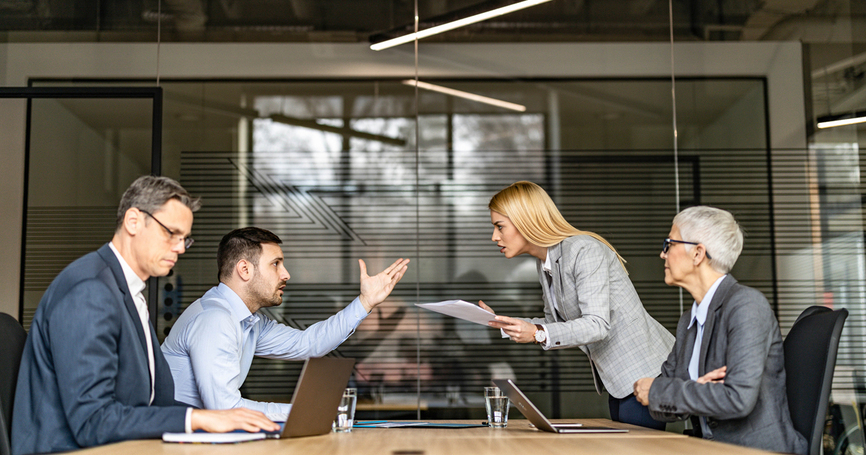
(133, 221)
(244, 270)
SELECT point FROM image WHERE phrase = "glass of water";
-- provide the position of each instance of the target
(346, 411)
(497, 407)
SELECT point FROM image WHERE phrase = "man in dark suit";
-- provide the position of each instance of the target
(92, 371)
(727, 369)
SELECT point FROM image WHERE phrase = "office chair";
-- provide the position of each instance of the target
(12, 337)
(810, 358)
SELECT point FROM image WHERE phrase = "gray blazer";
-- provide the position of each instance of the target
(751, 407)
(600, 312)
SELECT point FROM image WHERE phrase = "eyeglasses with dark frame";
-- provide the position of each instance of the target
(187, 241)
(667, 245)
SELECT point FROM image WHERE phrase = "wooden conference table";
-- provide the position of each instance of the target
(519, 438)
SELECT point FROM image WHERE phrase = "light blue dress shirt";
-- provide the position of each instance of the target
(211, 347)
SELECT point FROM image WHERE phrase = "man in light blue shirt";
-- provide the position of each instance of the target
(212, 345)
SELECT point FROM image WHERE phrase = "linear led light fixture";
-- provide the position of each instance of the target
(455, 24)
(830, 121)
(467, 95)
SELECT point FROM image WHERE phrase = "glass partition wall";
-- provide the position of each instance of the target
(85, 145)
(330, 166)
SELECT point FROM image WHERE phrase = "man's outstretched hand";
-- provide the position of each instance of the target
(374, 289)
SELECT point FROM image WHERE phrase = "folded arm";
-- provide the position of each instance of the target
(748, 336)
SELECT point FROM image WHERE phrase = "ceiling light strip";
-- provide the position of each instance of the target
(830, 122)
(455, 24)
(467, 95)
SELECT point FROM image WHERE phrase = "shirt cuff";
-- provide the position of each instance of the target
(357, 309)
(188, 421)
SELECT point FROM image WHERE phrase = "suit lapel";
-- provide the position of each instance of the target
(687, 350)
(545, 288)
(113, 264)
(719, 299)
(555, 253)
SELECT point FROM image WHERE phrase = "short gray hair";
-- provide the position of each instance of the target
(150, 193)
(717, 230)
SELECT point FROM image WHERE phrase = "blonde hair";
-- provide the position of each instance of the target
(536, 217)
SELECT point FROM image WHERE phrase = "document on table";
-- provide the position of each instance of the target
(389, 424)
(460, 309)
(212, 438)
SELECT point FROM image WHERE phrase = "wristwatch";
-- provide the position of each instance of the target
(540, 334)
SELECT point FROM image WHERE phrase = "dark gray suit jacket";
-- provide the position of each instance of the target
(751, 407)
(84, 377)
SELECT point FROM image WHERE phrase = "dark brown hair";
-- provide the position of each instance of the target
(243, 243)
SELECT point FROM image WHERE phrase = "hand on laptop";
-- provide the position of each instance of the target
(231, 419)
(374, 289)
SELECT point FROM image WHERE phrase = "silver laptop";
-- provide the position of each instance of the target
(538, 419)
(317, 396)
(314, 406)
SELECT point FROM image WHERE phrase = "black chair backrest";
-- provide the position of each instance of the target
(12, 337)
(810, 358)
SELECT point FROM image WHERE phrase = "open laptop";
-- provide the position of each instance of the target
(317, 396)
(538, 419)
(314, 405)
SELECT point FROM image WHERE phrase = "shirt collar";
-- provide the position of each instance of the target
(548, 265)
(699, 312)
(133, 282)
(236, 305)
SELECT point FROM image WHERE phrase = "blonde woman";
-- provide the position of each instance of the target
(589, 301)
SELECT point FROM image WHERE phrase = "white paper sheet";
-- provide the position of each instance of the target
(460, 309)
(212, 438)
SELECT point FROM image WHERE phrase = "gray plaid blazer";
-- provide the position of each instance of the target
(600, 312)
